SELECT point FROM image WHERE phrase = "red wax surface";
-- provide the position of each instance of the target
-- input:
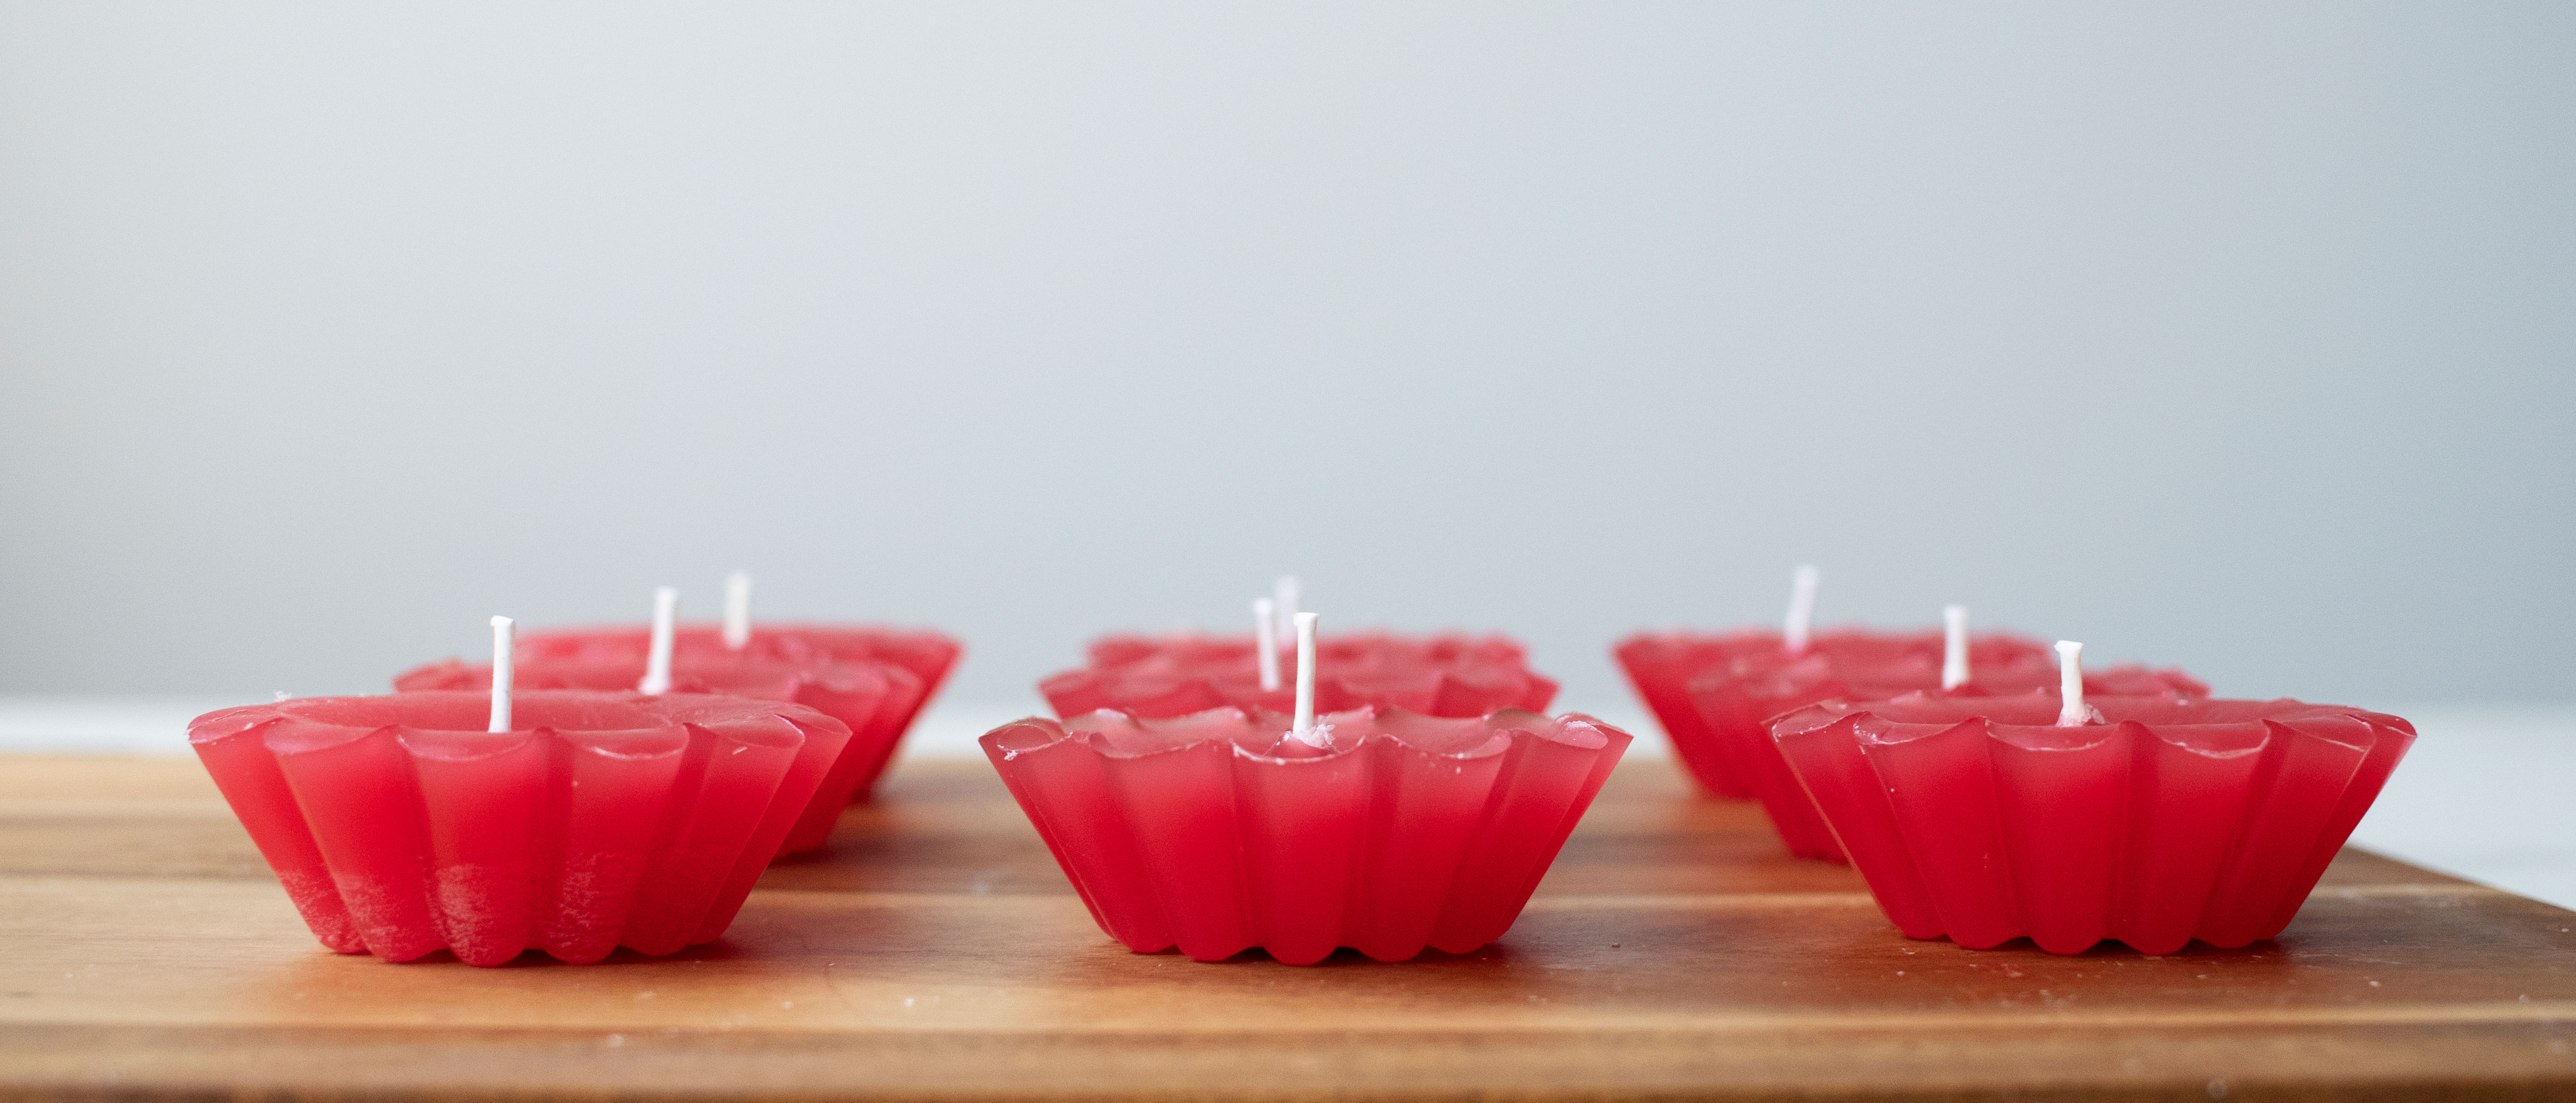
(1661, 665)
(2165, 820)
(1218, 833)
(1715, 696)
(874, 680)
(399, 827)
(1448, 675)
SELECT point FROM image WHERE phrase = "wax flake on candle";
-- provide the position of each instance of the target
(399, 827)
(2169, 819)
(875, 680)
(1216, 833)
(1440, 675)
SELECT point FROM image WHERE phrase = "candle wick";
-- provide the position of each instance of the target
(1802, 610)
(1304, 726)
(1954, 646)
(1283, 608)
(504, 663)
(1265, 643)
(2072, 713)
(737, 613)
(657, 660)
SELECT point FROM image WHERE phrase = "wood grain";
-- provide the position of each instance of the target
(935, 951)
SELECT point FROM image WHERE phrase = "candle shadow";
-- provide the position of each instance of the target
(719, 950)
(1346, 957)
(2112, 947)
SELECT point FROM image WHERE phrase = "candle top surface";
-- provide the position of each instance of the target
(1815, 676)
(1265, 735)
(1450, 675)
(921, 650)
(2029, 720)
(324, 721)
(735, 672)
(1363, 649)
(1752, 650)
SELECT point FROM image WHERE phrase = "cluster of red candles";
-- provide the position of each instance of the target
(589, 789)
(1987, 789)
(601, 788)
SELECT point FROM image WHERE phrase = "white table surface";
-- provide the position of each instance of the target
(2487, 793)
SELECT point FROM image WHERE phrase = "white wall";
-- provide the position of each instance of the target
(2237, 336)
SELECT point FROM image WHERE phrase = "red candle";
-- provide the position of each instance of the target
(874, 680)
(401, 826)
(1381, 830)
(1736, 701)
(1662, 665)
(1441, 675)
(2155, 821)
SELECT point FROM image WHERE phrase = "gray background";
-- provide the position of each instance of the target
(2232, 336)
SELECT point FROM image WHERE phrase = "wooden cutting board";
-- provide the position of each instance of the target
(936, 951)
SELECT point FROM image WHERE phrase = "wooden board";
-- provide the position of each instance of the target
(936, 951)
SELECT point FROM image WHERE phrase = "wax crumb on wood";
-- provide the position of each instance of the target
(2374, 984)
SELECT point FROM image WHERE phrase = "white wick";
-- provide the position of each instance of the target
(1284, 606)
(2070, 685)
(1954, 646)
(1802, 610)
(1265, 643)
(657, 661)
(737, 618)
(504, 645)
(1304, 728)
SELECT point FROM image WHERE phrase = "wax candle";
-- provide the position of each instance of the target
(1735, 703)
(874, 680)
(2151, 820)
(1448, 674)
(1662, 665)
(401, 825)
(1382, 830)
